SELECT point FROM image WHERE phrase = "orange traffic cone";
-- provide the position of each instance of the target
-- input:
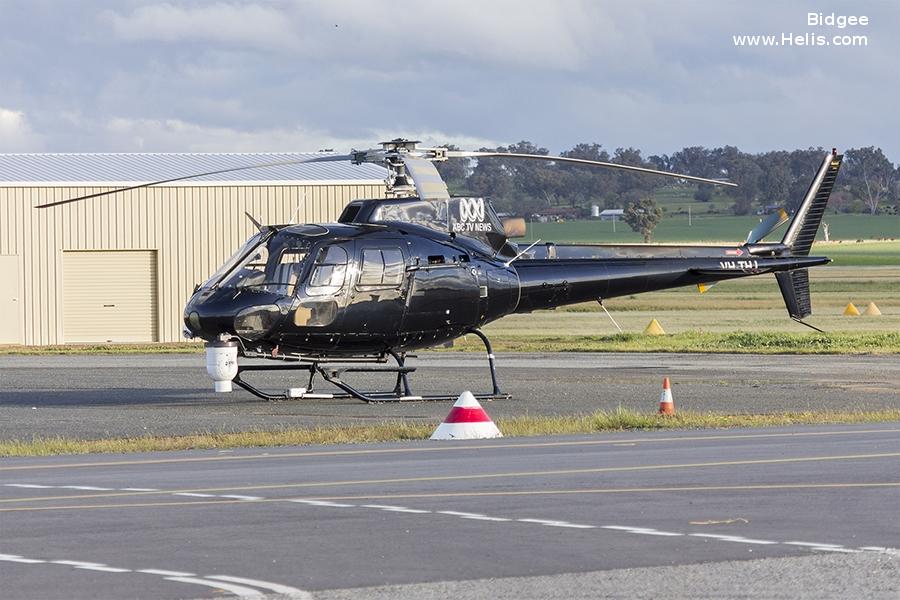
(666, 402)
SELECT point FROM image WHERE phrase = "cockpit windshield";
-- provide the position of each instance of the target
(266, 263)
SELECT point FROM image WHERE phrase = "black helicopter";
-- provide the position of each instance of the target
(419, 269)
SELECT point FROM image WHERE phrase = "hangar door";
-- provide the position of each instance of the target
(9, 300)
(110, 296)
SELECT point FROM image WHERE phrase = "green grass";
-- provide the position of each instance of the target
(149, 348)
(861, 254)
(619, 420)
(708, 228)
(740, 342)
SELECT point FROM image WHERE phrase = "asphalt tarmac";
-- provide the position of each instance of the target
(99, 396)
(803, 512)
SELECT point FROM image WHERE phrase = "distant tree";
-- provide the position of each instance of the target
(868, 179)
(695, 160)
(584, 185)
(454, 171)
(514, 185)
(776, 183)
(643, 216)
(874, 172)
(704, 193)
(740, 168)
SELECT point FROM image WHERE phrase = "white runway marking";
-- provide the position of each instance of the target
(462, 515)
(239, 497)
(165, 573)
(194, 495)
(323, 503)
(105, 569)
(552, 523)
(399, 509)
(642, 530)
(733, 538)
(86, 488)
(28, 485)
(237, 590)
(226, 583)
(823, 547)
(18, 559)
(266, 585)
(76, 563)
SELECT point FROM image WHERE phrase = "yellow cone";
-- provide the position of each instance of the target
(872, 310)
(654, 328)
(851, 310)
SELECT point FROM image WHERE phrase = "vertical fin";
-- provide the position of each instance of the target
(795, 290)
(803, 227)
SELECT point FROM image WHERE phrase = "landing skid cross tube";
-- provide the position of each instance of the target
(334, 375)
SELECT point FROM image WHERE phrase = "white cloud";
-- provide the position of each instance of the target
(174, 135)
(302, 74)
(251, 25)
(16, 134)
(507, 32)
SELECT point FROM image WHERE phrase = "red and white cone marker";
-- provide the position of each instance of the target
(666, 402)
(466, 421)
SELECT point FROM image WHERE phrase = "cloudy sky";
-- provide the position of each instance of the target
(221, 76)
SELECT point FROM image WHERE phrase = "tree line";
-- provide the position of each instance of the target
(868, 181)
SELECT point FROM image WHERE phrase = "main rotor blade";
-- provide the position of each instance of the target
(428, 182)
(277, 163)
(581, 161)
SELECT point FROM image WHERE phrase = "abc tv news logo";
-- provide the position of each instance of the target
(472, 216)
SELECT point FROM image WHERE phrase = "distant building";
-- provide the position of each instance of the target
(612, 214)
(120, 268)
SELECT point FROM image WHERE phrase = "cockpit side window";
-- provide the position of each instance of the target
(328, 272)
(286, 271)
(393, 266)
(381, 267)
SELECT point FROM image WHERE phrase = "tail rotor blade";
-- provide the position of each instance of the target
(767, 226)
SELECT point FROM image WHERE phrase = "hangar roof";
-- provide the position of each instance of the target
(117, 169)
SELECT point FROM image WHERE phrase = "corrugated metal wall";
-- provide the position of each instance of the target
(194, 229)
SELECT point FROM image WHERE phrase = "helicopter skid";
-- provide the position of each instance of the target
(332, 375)
(347, 391)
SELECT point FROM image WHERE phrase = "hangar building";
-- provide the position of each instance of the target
(120, 268)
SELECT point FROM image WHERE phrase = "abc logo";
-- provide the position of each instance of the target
(471, 210)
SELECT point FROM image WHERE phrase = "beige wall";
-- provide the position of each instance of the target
(192, 228)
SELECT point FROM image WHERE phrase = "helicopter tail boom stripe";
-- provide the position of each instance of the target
(803, 227)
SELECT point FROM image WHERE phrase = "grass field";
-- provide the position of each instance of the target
(619, 420)
(708, 228)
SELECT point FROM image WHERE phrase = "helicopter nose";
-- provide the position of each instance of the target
(205, 317)
(211, 313)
